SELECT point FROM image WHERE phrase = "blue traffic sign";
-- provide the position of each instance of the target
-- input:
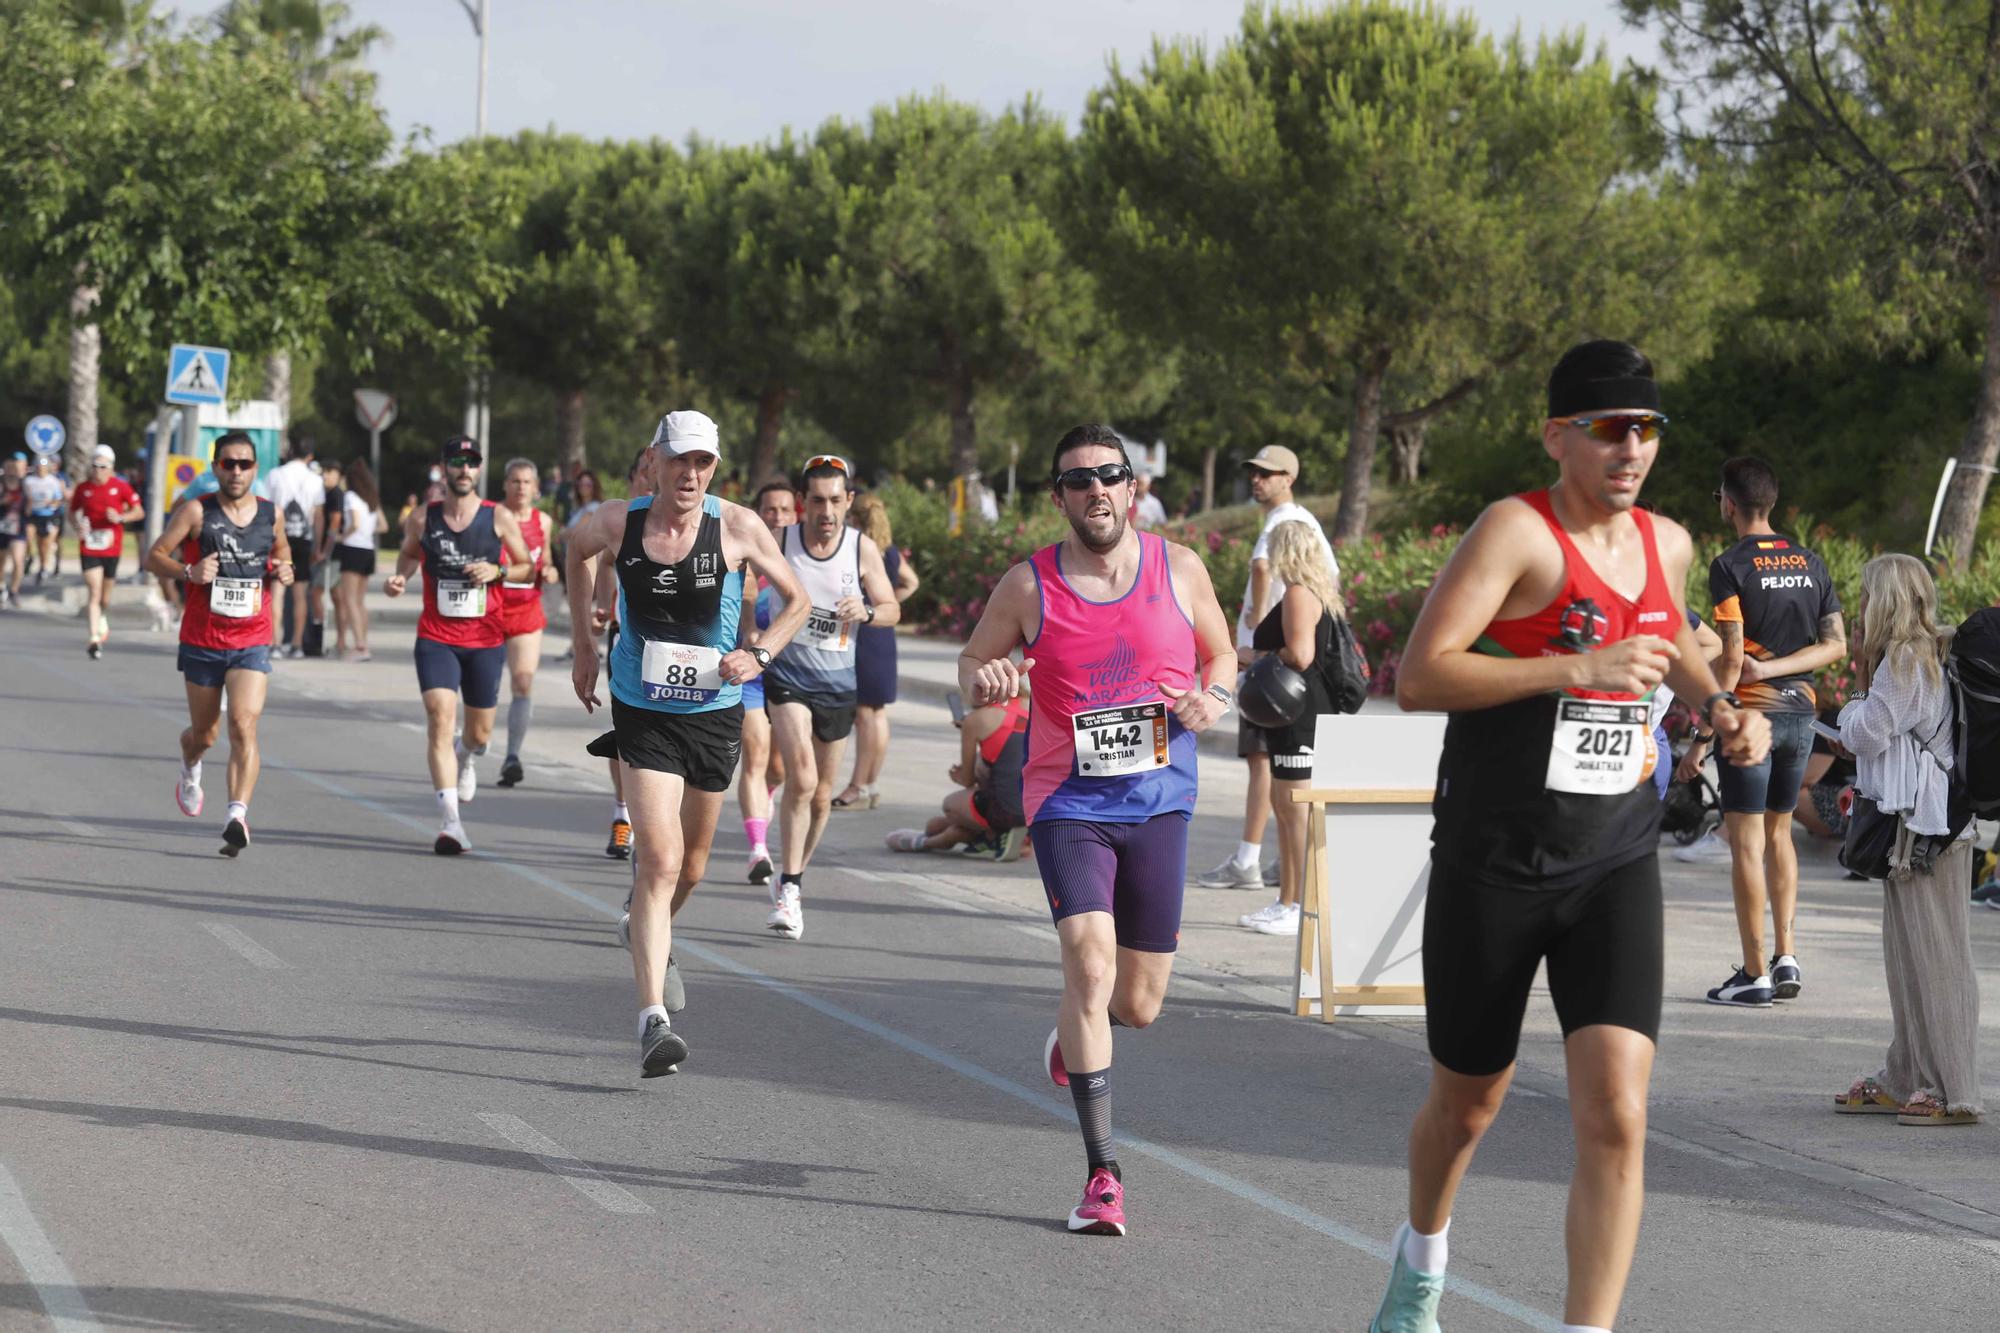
(46, 435)
(197, 375)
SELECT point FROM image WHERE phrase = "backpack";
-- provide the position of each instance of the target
(1343, 668)
(1972, 671)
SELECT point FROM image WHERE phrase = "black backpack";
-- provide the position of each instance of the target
(1343, 668)
(1973, 670)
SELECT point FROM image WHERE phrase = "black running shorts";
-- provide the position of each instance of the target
(701, 747)
(1603, 941)
(832, 714)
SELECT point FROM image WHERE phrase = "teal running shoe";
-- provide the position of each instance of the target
(1411, 1303)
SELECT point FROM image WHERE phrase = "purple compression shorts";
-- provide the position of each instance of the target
(1136, 872)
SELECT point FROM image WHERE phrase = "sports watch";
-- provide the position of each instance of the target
(1222, 696)
(763, 656)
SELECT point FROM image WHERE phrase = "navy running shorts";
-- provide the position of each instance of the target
(473, 672)
(1133, 871)
(210, 667)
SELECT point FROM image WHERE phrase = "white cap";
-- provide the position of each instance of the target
(103, 453)
(688, 433)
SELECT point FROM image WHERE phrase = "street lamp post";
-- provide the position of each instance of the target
(478, 420)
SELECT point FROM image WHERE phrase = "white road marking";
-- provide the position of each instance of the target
(72, 826)
(244, 945)
(561, 1161)
(41, 1263)
(411, 726)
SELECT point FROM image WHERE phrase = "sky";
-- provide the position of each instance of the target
(739, 71)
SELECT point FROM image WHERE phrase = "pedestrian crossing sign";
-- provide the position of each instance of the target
(197, 375)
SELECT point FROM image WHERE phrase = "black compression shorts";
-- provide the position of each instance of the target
(1604, 942)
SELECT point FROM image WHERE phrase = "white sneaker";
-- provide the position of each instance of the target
(1231, 875)
(1285, 922)
(468, 776)
(451, 840)
(187, 795)
(1710, 848)
(1265, 913)
(787, 920)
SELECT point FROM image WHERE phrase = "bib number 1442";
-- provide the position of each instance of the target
(1115, 741)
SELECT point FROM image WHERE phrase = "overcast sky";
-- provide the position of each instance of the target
(742, 70)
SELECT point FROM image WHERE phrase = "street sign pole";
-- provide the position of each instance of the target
(375, 452)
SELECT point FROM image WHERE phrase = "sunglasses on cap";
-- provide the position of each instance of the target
(1079, 478)
(1613, 427)
(834, 461)
(236, 464)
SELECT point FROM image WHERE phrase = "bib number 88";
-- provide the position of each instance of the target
(679, 675)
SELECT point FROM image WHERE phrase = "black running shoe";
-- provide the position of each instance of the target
(620, 845)
(95, 651)
(760, 870)
(235, 837)
(661, 1049)
(510, 772)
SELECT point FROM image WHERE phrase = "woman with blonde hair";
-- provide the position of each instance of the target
(1899, 729)
(1299, 629)
(874, 663)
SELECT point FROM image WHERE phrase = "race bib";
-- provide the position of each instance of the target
(680, 672)
(99, 538)
(826, 631)
(10, 524)
(235, 598)
(461, 599)
(1114, 741)
(1600, 748)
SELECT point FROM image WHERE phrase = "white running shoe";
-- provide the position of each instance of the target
(468, 776)
(1231, 875)
(187, 795)
(787, 919)
(1284, 922)
(451, 840)
(1261, 915)
(625, 930)
(1710, 848)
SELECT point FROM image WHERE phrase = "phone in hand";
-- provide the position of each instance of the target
(956, 703)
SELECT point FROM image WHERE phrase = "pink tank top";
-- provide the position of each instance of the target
(1101, 745)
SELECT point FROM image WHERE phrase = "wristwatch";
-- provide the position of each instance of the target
(870, 617)
(763, 655)
(1719, 697)
(1222, 695)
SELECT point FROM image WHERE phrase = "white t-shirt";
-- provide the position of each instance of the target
(1150, 513)
(1288, 512)
(360, 523)
(296, 490)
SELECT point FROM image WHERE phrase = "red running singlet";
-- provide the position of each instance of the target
(235, 610)
(457, 611)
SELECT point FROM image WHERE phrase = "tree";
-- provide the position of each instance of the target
(1868, 133)
(1373, 195)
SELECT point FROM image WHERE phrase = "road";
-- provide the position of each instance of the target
(341, 1083)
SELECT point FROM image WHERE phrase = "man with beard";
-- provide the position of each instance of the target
(1554, 621)
(464, 545)
(677, 673)
(225, 546)
(810, 689)
(1134, 650)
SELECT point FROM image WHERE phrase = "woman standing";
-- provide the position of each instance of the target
(1299, 629)
(874, 664)
(585, 497)
(1899, 731)
(360, 519)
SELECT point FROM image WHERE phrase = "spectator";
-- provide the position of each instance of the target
(354, 557)
(584, 498)
(403, 515)
(1899, 731)
(985, 807)
(299, 496)
(1829, 775)
(874, 663)
(1273, 471)
(327, 534)
(1147, 511)
(1299, 629)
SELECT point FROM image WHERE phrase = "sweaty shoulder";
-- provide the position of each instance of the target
(1676, 547)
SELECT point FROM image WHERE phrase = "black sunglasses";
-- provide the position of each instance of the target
(236, 464)
(463, 461)
(1079, 478)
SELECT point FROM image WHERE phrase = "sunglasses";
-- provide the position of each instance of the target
(1613, 427)
(834, 461)
(236, 464)
(1263, 472)
(463, 462)
(1079, 478)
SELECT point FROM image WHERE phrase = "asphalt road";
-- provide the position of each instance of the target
(341, 1083)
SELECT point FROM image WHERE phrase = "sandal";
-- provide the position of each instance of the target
(1866, 1097)
(1926, 1108)
(864, 798)
(907, 840)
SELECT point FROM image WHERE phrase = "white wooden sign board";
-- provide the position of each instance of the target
(1368, 863)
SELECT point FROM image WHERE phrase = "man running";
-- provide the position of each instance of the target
(46, 492)
(1557, 616)
(464, 545)
(1133, 649)
(811, 687)
(224, 546)
(778, 506)
(676, 682)
(521, 612)
(100, 508)
(13, 529)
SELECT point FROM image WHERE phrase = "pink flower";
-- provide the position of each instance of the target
(1379, 631)
(1439, 530)
(1214, 542)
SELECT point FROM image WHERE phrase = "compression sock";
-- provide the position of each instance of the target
(755, 830)
(1092, 1095)
(618, 811)
(1584, 1328)
(1249, 853)
(1426, 1254)
(646, 1014)
(797, 881)
(238, 810)
(448, 804)
(518, 714)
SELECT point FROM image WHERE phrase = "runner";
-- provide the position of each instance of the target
(13, 530)
(225, 546)
(1544, 636)
(47, 492)
(676, 677)
(811, 691)
(100, 507)
(604, 616)
(1124, 684)
(778, 506)
(521, 611)
(463, 543)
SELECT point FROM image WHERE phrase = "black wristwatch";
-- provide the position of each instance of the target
(870, 617)
(763, 656)
(1720, 696)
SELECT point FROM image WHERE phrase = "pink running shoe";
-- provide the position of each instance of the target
(1052, 1060)
(187, 795)
(1102, 1212)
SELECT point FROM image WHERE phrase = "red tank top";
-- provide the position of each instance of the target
(457, 611)
(235, 610)
(536, 536)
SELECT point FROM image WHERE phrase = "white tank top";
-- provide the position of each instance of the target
(820, 660)
(360, 522)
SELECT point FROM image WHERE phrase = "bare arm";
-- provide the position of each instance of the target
(906, 580)
(1729, 666)
(1830, 647)
(881, 596)
(768, 563)
(1744, 735)
(410, 557)
(163, 556)
(1258, 596)
(1301, 620)
(508, 529)
(1215, 645)
(593, 537)
(985, 675)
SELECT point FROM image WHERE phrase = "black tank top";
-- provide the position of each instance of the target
(241, 553)
(676, 603)
(447, 553)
